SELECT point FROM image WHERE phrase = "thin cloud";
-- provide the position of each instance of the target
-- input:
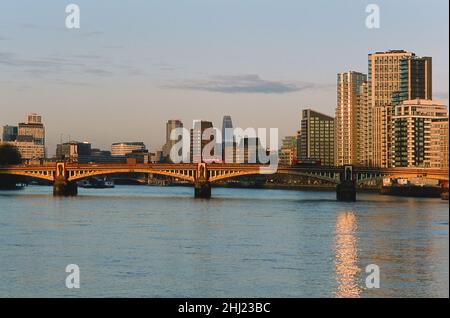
(98, 71)
(83, 63)
(75, 83)
(244, 84)
(13, 60)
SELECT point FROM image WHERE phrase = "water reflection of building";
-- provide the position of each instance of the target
(346, 258)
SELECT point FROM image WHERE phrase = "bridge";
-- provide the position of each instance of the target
(64, 176)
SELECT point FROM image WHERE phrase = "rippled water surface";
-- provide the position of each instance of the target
(160, 242)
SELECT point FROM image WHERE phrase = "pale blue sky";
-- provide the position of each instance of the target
(135, 64)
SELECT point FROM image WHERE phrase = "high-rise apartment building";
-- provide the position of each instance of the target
(171, 125)
(316, 137)
(420, 134)
(393, 77)
(351, 121)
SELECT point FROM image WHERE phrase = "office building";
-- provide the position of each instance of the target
(74, 151)
(121, 149)
(28, 137)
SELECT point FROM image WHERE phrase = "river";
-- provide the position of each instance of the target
(138, 241)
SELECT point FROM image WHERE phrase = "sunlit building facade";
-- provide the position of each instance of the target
(121, 149)
(420, 134)
(352, 122)
(28, 137)
(393, 77)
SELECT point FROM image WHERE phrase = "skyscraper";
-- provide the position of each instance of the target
(352, 130)
(227, 143)
(317, 137)
(394, 76)
(170, 125)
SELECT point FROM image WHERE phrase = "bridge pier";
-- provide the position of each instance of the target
(346, 191)
(202, 190)
(64, 188)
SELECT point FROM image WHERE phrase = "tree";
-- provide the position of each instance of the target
(9, 155)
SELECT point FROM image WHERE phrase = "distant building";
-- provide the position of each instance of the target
(74, 151)
(29, 150)
(352, 122)
(121, 149)
(140, 156)
(288, 151)
(33, 127)
(197, 143)
(156, 157)
(316, 137)
(248, 150)
(104, 156)
(9, 133)
(227, 143)
(420, 134)
(28, 137)
(170, 125)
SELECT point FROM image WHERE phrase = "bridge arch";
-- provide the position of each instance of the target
(328, 177)
(183, 174)
(35, 174)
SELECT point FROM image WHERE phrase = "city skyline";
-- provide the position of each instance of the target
(198, 73)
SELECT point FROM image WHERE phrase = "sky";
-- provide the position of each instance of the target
(135, 64)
